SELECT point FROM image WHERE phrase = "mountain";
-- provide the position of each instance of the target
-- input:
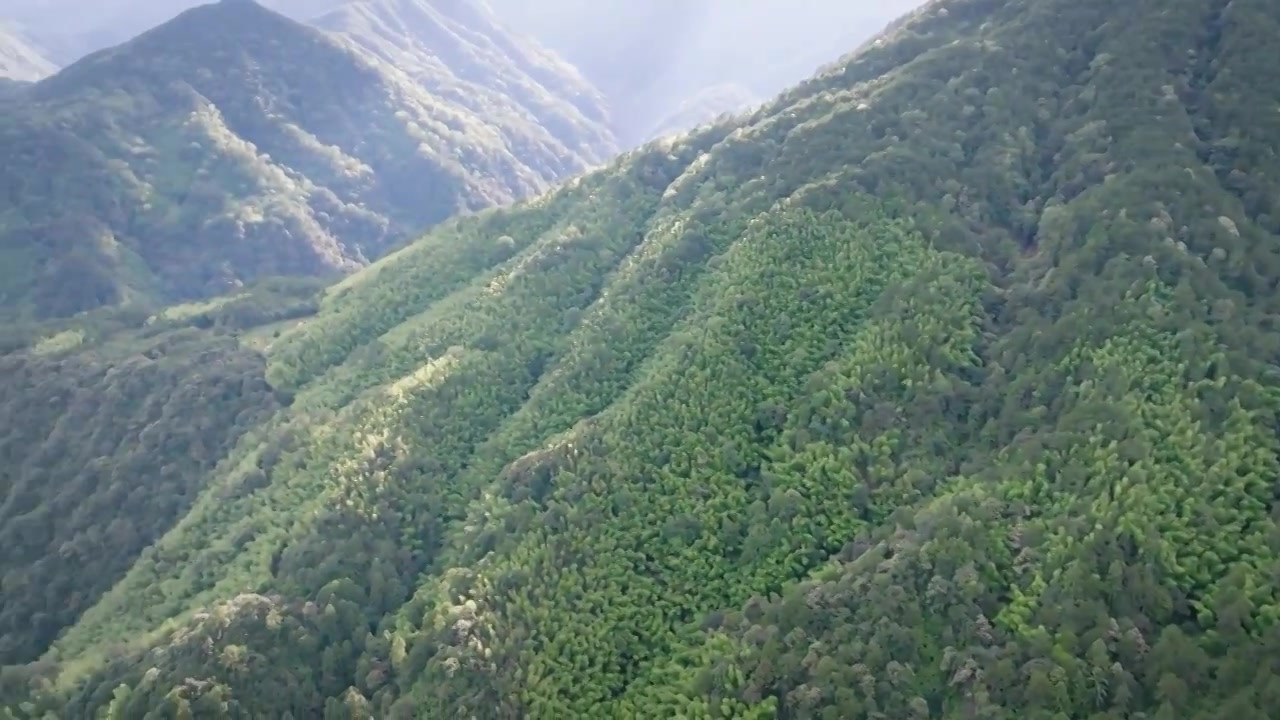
(114, 428)
(708, 103)
(458, 52)
(653, 60)
(19, 60)
(943, 385)
(658, 60)
(70, 29)
(232, 143)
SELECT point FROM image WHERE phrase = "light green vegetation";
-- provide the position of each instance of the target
(943, 386)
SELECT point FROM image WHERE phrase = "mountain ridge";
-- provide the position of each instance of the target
(216, 158)
(19, 60)
(672, 52)
(305, 166)
(943, 384)
(413, 36)
(647, 59)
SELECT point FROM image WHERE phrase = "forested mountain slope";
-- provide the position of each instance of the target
(944, 386)
(232, 143)
(459, 53)
(656, 61)
(19, 60)
(84, 436)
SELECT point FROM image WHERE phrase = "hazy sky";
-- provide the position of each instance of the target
(649, 56)
(722, 36)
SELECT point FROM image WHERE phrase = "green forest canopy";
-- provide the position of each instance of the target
(943, 386)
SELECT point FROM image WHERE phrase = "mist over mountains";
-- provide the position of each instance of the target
(653, 57)
(19, 59)
(657, 63)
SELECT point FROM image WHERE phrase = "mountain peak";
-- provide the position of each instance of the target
(237, 6)
(233, 143)
(207, 36)
(234, 12)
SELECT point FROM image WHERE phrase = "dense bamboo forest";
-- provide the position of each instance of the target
(943, 386)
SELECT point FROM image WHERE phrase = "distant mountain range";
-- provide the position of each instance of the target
(654, 61)
(230, 143)
(233, 143)
(662, 59)
(459, 52)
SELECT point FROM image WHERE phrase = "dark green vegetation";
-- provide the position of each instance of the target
(232, 144)
(944, 386)
(116, 427)
(19, 60)
(99, 416)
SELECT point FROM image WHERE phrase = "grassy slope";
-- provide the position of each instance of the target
(663, 60)
(942, 386)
